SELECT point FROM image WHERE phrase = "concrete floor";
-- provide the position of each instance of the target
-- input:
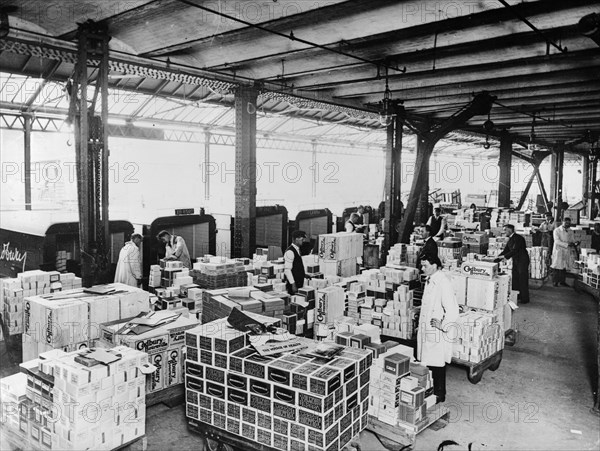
(539, 398)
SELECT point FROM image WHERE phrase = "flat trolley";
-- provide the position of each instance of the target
(216, 439)
(475, 370)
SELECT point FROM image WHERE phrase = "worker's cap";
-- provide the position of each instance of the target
(298, 234)
(510, 226)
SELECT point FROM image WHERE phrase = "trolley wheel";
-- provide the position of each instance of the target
(475, 378)
(494, 366)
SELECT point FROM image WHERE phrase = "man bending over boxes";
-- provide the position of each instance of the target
(175, 248)
(439, 311)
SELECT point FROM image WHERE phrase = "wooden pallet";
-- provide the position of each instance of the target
(406, 434)
(171, 396)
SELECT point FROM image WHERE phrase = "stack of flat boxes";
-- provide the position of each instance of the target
(538, 262)
(356, 298)
(154, 278)
(30, 283)
(217, 272)
(338, 253)
(218, 304)
(73, 320)
(287, 402)
(61, 260)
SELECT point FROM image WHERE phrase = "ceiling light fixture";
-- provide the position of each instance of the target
(532, 145)
(386, 112)
(488, 126)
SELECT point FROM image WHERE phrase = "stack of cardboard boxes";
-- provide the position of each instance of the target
(218, 304)
(538, 262)
(159, 334)
(13, 291)
(590, 272)
(71, 319)
(286, 402)
(449, 249)
(400, 390)
(75, 402)
(338, 253)
(477, 243)
(218, 272)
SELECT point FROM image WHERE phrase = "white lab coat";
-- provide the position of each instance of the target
(434, 347)
(128, 267)
(178, 249)
(563, 255)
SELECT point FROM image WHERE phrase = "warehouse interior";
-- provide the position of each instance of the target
(233, 124)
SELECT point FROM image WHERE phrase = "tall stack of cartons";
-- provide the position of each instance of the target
(30, 283)
(338, 253)
(329, 306)
(71, 319)
(119, 385)
(538, 262)
(591, 268)
(285, 401)
(399, 390)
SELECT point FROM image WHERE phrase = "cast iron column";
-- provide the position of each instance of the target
(504, 162)
(245, 172)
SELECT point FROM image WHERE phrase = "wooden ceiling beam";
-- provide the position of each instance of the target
(587, 62)
(540, 104)
(510, 87)
(250, 46)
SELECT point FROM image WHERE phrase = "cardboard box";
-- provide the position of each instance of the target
(480, 270)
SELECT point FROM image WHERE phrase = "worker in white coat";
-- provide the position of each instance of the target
(129, 267)
(563, 253)
(437, 323)
(175, 248)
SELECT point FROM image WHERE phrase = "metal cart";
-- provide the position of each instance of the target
(475, 370)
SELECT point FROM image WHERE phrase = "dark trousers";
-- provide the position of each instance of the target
(439, 381)
(520, 280)
(559, 275)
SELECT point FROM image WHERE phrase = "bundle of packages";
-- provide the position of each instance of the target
(70, 320)
(283, 401)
